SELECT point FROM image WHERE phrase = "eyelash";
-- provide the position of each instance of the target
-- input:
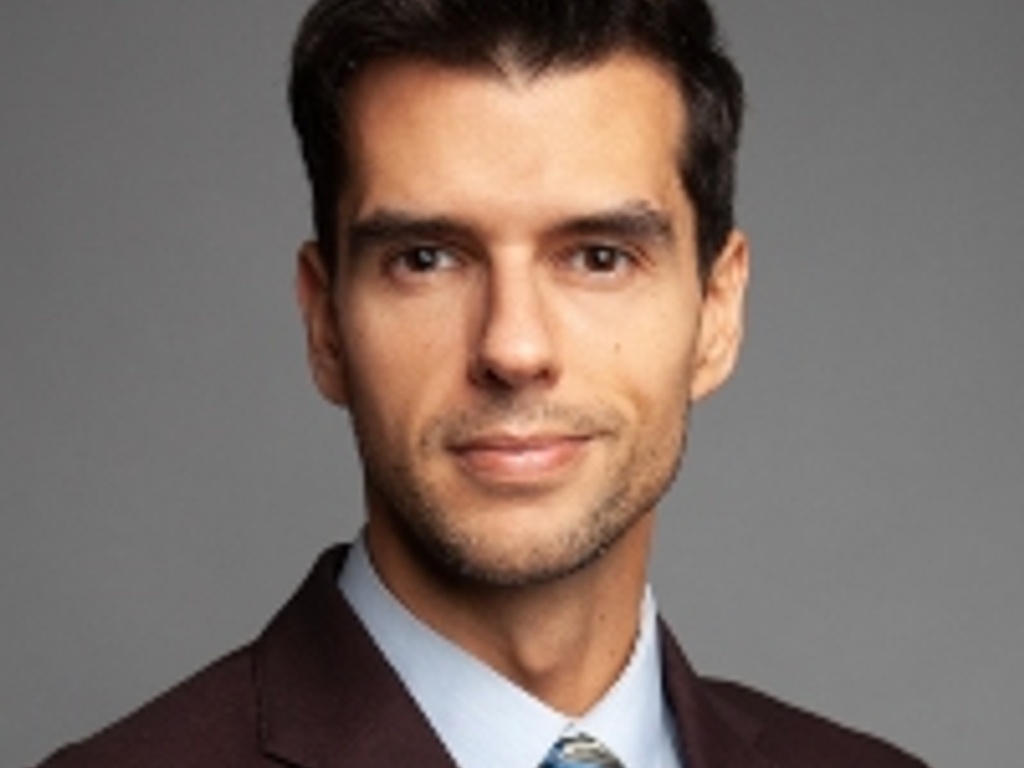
(404, 258)
(584, 257)
(602, 261)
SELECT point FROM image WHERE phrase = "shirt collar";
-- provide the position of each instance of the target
(484, 719)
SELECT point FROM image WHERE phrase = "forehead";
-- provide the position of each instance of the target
(418, 132)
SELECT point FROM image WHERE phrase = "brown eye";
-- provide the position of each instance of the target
(424, 259)
(601, 258)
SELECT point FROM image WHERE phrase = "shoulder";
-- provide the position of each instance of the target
(281, 692)
(207, 720)
(796, 737)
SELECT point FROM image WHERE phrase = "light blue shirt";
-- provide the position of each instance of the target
(484, 719)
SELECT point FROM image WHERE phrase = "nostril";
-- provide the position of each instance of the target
(505, 375)
(511, 362)
(515, 344)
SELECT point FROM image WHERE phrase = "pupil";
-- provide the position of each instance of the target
(602, 258)
(423, 259)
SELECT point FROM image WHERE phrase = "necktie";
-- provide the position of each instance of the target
(580, 751)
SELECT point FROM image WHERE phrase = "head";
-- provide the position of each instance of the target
(525, 267)
(340, 38)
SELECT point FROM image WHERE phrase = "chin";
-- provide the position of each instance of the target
(531, 552)
(513, 569)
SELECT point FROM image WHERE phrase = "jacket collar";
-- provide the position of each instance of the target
(714, 733)
(326, 697)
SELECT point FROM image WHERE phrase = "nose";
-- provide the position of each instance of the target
(515, 347)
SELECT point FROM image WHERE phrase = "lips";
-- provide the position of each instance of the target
(525, 460)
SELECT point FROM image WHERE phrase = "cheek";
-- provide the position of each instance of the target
(396, 367)
(657, 357)
(661, 398)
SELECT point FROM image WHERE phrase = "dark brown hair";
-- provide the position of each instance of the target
(338, 37)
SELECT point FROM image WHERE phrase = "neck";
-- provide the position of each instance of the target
(565, 641)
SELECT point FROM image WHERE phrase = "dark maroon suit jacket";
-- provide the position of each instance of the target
(313, 691)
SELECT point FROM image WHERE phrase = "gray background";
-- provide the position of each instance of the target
(846, 531)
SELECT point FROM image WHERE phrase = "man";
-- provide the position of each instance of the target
(525, 270)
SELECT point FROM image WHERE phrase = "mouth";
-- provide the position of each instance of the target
(520, 460)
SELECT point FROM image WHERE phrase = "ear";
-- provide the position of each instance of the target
(313, 290)
(721, 317)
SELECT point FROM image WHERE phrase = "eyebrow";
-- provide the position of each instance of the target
(633, 220)
(387, 226)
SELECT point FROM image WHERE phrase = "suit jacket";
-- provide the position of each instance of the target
(314, 691)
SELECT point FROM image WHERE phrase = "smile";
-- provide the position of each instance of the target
(520, 460)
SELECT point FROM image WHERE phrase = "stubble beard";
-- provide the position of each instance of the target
(418, 515)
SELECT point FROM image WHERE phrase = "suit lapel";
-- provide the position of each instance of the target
(326, 695)
(327, 698)
(713, 734)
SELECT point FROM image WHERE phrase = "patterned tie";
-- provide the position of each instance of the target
(580, 751)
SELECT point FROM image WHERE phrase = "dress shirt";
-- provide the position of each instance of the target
(484, 719)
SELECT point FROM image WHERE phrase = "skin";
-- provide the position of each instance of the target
(517, 328)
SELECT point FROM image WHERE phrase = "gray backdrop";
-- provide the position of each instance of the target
(846, 531)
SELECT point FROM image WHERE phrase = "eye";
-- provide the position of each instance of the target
(423, 259)
(601, 259)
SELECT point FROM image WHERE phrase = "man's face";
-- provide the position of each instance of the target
(516, 323)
